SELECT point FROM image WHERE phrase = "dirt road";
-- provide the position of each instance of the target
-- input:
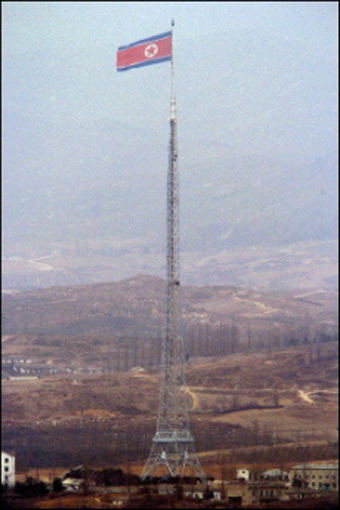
(305, 397)
(195, 401)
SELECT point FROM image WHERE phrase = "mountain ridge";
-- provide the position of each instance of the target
(138, 303)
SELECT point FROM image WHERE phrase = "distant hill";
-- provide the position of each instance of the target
(258, 173)
(138, 304)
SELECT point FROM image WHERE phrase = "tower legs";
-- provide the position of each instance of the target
(173, 454)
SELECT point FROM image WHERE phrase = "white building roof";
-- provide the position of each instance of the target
(72, 481)
(7, 454)
(316, 466)
(275, 472)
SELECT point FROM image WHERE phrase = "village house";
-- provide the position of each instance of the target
(246, 492)
(316, 476)
(7, 469)
(72, 484)
(276, 474)
(275, 485)
(300, 493)
(242, 474)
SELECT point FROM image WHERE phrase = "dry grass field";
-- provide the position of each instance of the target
(241, 403)
(81, 374)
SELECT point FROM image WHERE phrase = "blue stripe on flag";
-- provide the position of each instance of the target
(142, 41)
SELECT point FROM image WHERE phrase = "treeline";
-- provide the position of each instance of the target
(33, 488)
(104, 477)
(284, 454)
(30, 488)
(96, 444)
(129, 352)
(224, 435)
(204, 340)
(101, 444)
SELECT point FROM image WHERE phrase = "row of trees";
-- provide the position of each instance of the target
(34, 487)
(206, 340)
(109, 445)
(30, 488)
(282, 455)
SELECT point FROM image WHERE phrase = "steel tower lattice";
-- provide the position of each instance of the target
(172, 451)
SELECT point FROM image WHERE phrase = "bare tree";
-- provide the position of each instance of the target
(235, 401)
(126, 358)
(256, 430)
(249, 337)
(235, 336)
(134, 350)
(207, 340)
(223, 467)
(276, 397)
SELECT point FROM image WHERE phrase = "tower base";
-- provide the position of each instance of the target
(173, 454)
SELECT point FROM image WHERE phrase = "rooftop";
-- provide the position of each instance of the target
(316, 466)
(275, 472)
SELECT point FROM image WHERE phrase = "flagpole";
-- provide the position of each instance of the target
(173, 99)
(172, 448)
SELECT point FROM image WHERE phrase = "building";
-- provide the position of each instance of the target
(298, 493)
(266, 491)
(72, 484)
(316, 476)
(248, 493)
(242, 474)
(7, 469)
(201, 491)
(276, 474)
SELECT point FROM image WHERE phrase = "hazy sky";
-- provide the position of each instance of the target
(255, 79)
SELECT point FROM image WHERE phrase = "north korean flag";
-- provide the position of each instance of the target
(153, 50)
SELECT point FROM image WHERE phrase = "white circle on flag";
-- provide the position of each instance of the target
(151, 50)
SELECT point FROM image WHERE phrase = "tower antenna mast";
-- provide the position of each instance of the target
(172, 451)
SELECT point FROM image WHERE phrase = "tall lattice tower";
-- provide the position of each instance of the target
(172, 451)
